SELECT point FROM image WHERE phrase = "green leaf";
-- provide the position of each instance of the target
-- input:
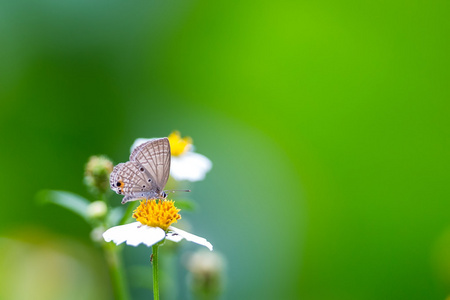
(70, 201)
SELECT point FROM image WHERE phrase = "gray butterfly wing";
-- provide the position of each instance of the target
(130, 179)
(154, 156)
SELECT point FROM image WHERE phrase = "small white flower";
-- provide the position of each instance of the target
(185, 164)
(154, 219)
(136, 233)
(190, 166)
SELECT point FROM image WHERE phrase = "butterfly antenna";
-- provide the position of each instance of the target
(173, 191)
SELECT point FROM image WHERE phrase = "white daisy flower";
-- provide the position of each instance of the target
(185, 164)
(154, 219)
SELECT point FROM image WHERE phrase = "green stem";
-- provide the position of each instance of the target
(155, 272)
(128, 213)
(116, 272)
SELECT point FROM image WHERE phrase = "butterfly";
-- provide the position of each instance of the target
(146, 174)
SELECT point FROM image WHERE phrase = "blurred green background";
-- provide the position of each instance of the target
(327, 123)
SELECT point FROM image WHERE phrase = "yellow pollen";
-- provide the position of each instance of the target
(179, 145)
(157, 214)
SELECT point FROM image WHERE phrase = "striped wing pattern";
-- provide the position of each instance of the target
(154, 156)
(127, 179)
(146, 174)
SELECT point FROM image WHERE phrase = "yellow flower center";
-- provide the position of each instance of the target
(179, 145)
(157, 214)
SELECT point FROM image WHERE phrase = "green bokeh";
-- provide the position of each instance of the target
(327, 124)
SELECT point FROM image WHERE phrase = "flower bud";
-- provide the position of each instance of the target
(206, 270)
(96, 175)
(96, 210)
(96, 234)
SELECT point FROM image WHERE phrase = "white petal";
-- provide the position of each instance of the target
(147, 235)
(190, 237)
(119, 234)
(174, 237)
(134, 234)
(190, 166)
